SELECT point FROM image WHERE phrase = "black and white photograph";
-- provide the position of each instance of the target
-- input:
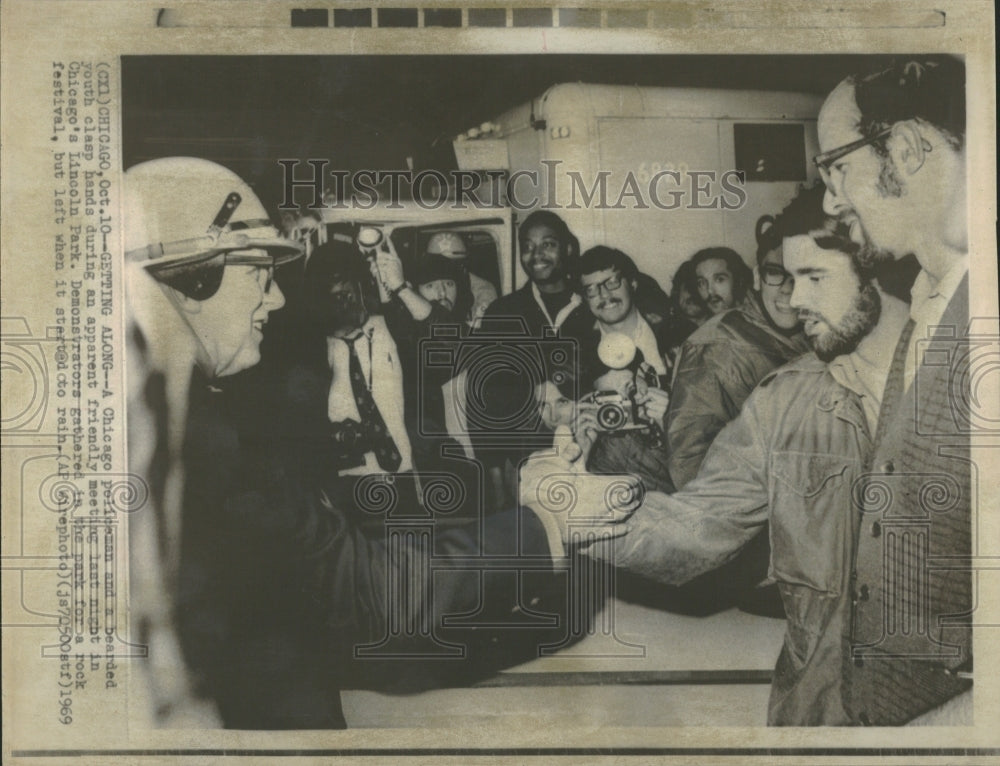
(553, 396)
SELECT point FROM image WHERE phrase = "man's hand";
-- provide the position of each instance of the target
(571, 503)
(654, 402)
(585, 429)
(390, 269)
(476, 315)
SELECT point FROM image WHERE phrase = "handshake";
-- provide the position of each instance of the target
(575, 507)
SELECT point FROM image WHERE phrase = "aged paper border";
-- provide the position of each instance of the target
(35, 34)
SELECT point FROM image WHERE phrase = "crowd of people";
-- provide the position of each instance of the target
(755, 412)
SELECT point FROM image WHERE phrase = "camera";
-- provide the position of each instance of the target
(348, 435)
(615, 412)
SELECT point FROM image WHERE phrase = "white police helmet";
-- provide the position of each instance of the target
(185, 215)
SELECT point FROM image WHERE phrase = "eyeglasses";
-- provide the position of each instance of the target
(610, 284)
(268, 278)
(824, 160)
(264, 264)
(774, 276)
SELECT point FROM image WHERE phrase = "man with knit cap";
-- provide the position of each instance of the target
(451, 245)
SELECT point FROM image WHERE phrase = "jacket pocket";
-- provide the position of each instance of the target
(810, 510)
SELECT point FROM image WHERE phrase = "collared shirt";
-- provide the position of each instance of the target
(565, 311)
(644, 340)
(380, 365)
(865, 370)
(927, 305)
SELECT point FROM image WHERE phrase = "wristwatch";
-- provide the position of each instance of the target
(399, 289)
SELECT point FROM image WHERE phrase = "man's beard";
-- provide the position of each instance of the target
(866, 308)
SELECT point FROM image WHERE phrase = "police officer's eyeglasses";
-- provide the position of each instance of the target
(824, 160)
(610, 284)
(263, 263)
(774, 276)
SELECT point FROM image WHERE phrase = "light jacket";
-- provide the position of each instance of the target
(718, 367)
(792, 459)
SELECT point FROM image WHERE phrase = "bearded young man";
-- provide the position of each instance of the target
(724, 359)
(790, 460)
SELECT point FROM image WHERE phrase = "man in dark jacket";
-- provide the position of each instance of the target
(722, 361)
(282, 593)
(608, 279)
(528, 318)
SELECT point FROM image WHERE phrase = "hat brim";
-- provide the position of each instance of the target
(190, 252)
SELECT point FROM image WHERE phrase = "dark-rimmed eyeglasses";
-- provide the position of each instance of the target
(773, 275)
(610, 284)
(824, 160)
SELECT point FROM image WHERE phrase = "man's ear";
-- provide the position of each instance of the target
(756, 279)
(907, 146)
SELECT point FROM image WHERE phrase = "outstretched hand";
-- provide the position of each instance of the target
(571, 503)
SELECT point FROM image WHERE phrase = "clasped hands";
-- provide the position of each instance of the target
(575, 507)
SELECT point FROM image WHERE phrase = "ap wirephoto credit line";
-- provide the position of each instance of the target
(498, 382)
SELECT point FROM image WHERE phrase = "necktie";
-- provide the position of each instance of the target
(383, 446)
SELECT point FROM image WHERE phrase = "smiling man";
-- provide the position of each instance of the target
(252, 582)
(548, 253)
(608, 280)
(547, 303)
(721, 277)
(791, 461)
(200, 254)
(894, 161)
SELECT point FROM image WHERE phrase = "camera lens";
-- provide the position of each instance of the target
(610, 417)
(347, 434)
